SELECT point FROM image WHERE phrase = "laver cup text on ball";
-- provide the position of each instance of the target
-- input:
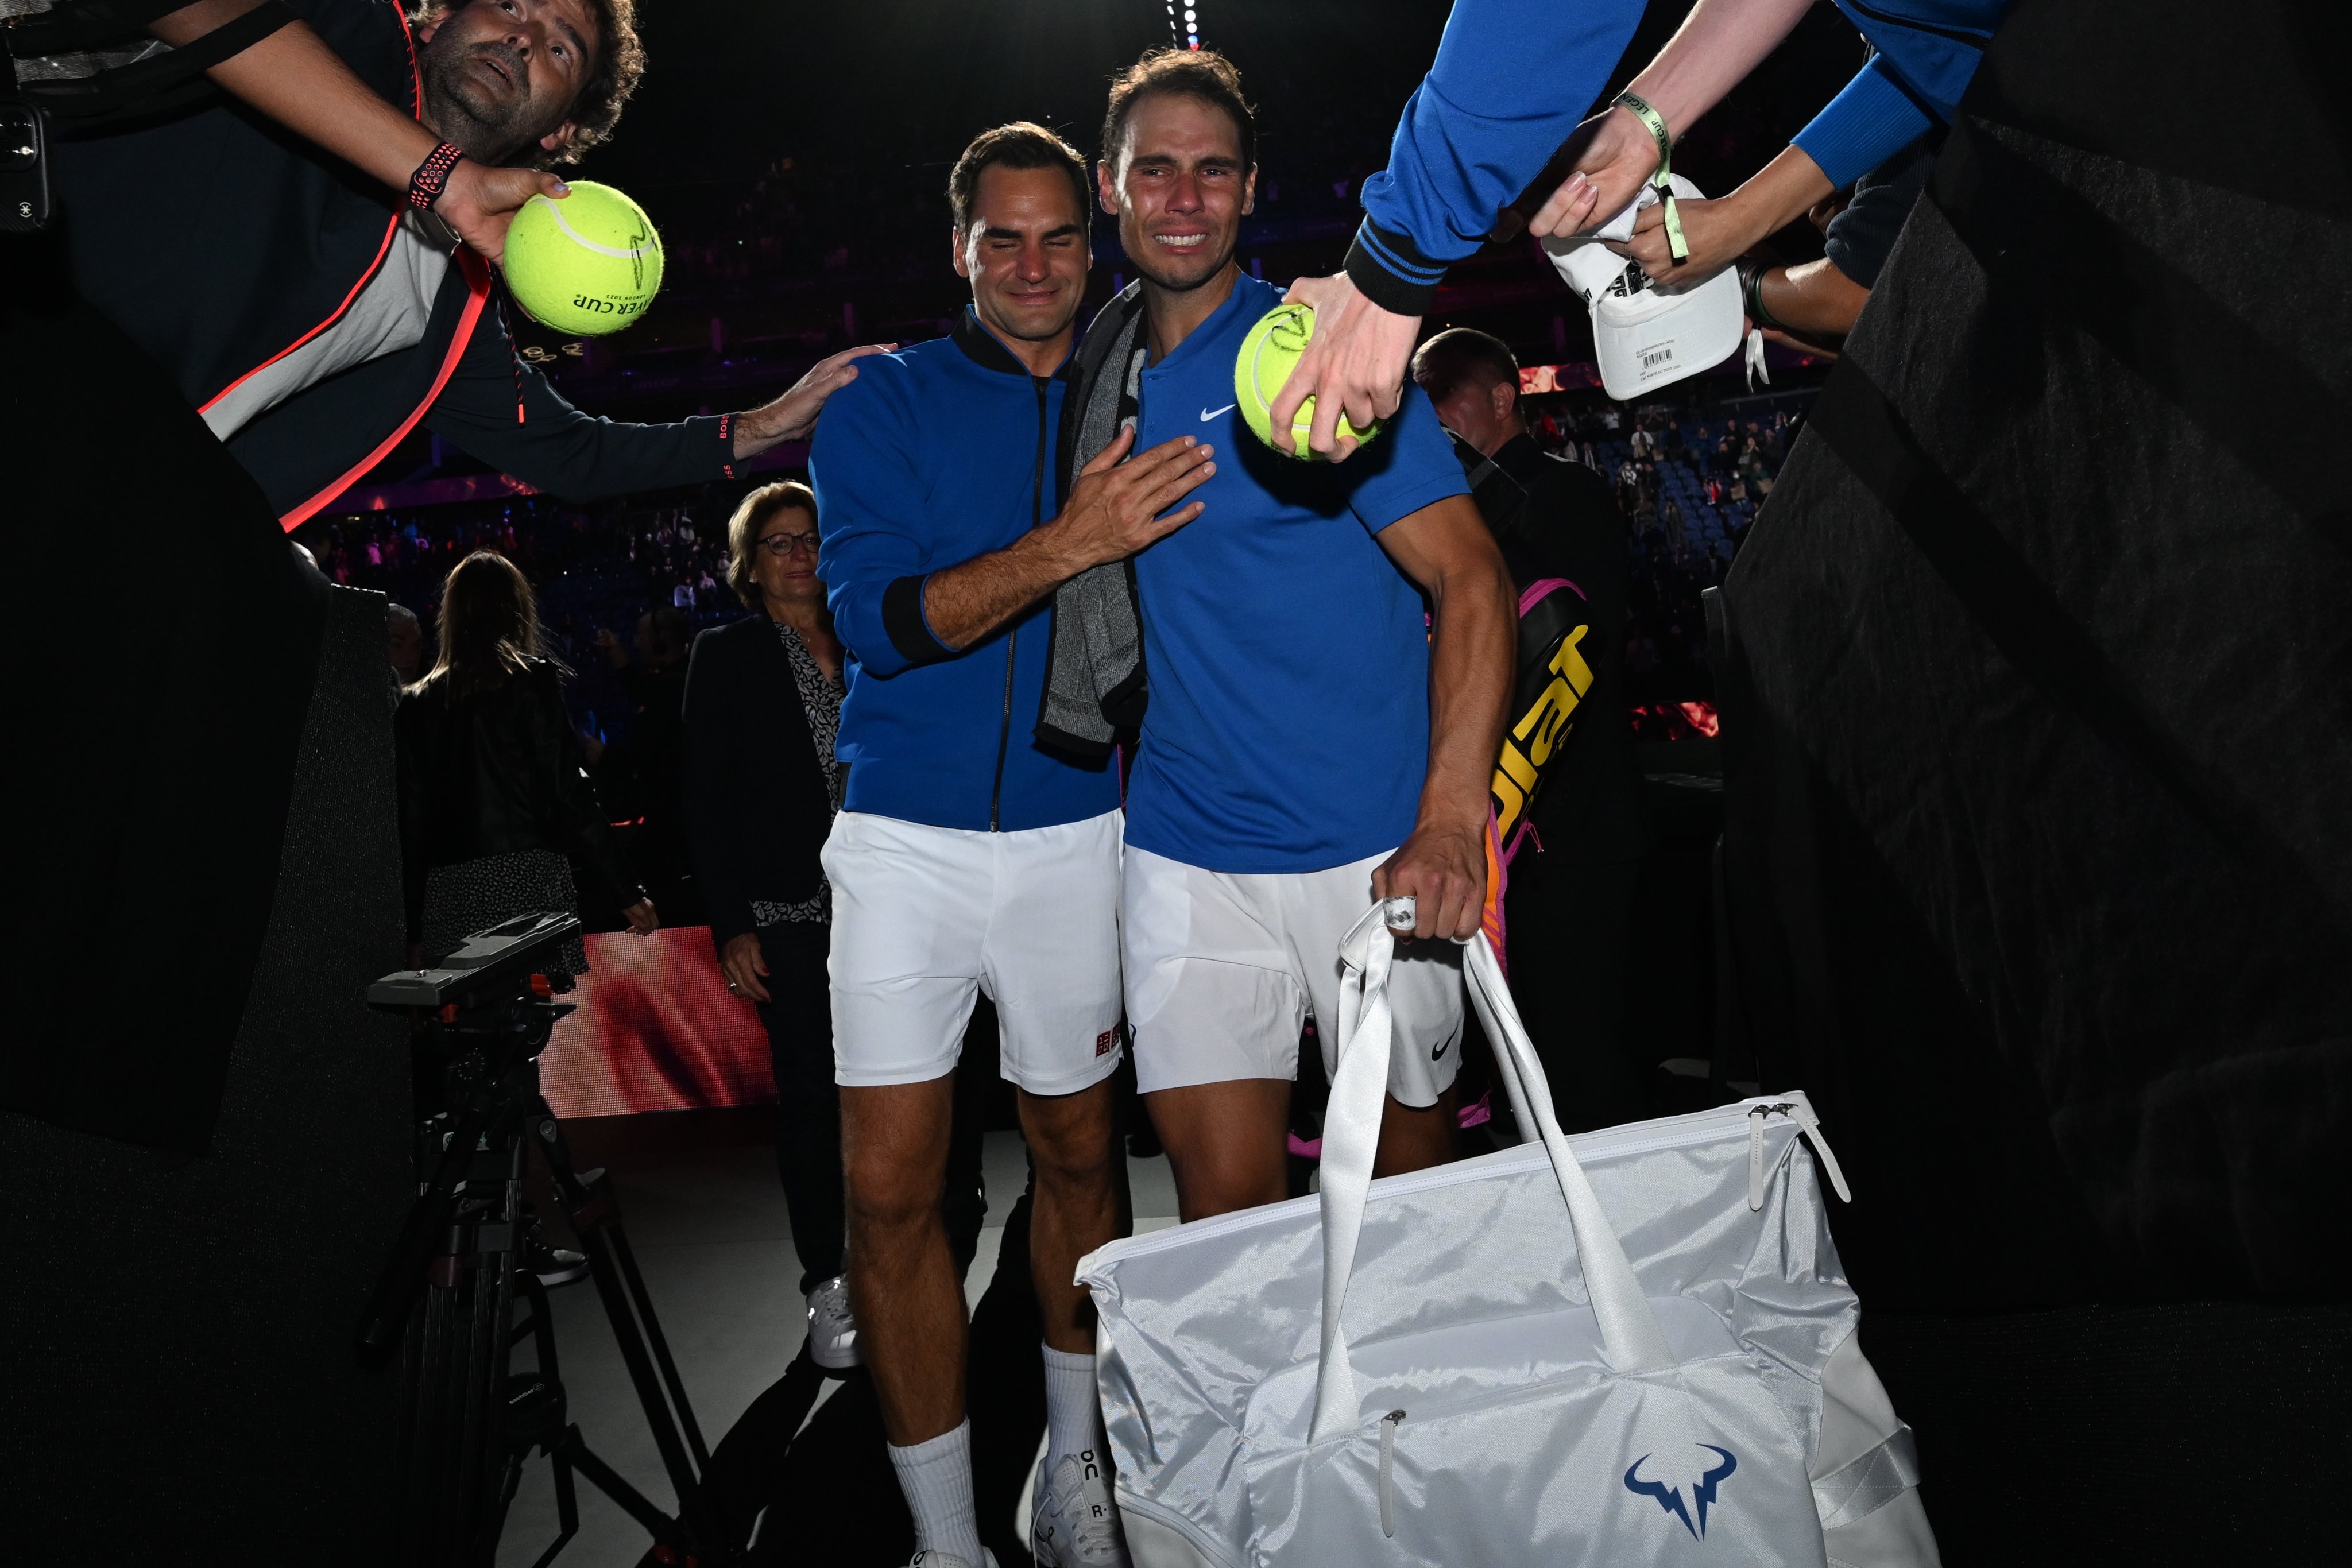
(588, 264)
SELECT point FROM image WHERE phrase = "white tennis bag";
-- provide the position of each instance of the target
(1452, 1368)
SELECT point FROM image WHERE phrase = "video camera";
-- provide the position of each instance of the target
(447, 1297)
(485, 968)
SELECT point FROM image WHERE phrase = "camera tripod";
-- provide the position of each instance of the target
(446, 1299)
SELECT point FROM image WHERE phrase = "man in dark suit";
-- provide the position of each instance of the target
(1571, 897)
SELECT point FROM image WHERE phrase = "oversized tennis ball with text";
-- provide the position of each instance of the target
(590, 262)
(1269, 352)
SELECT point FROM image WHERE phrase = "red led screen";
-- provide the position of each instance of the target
(657, 1031)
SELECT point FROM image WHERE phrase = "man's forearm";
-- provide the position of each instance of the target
(1446, 549)
(1473, 625)
(792, 416)
(1118, 507)
(757, 429)
(1813, 298)
(965, 604)
(292, 76)
(1781, 193)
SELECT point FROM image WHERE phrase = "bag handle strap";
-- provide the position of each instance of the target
(1630, 1335)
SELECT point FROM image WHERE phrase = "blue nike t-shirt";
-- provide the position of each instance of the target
(1287, 728)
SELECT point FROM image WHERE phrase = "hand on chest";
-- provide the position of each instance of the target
(1255, 489)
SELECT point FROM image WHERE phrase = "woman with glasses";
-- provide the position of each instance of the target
(762, 703)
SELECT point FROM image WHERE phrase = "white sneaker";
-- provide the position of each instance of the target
(1077, 1522)
(833, 1332)
(927, 1559)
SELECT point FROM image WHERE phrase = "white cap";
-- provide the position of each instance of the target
(1646, 337)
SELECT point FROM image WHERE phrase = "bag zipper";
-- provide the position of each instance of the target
(1497, 1399)
(1003, 735)
(1012, 640)
(1810, 1127)
(1548, 1388)
(1756, 1114)
(1673, 1133)
(1388, 1424)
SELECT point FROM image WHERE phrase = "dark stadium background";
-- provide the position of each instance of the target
(795, 159)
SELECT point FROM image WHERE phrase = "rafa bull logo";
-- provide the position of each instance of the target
(1669, 1495)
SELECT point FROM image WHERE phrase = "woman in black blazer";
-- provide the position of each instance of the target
(763, 702)
(494, 809)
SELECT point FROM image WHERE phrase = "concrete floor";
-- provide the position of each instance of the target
(707, 1222)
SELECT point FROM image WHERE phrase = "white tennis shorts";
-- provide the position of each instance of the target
(925, 919)
(1222, 971)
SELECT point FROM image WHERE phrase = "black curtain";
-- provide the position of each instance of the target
(165, 641)
(2039, 743)
(206, 1135)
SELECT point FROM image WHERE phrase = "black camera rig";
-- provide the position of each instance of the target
(446, 1300)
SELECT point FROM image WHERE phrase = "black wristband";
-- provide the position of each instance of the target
(904, 622)
(1751, 292)
(432, 176)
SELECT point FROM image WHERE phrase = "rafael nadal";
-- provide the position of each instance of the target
(1330, 654)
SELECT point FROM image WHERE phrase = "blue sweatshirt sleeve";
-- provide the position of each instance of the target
(870, 501)
(1871, 119)
(1511, 80)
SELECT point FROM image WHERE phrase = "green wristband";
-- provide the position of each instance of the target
(1656, 123)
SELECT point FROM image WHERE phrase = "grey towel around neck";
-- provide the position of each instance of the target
(1095, 684)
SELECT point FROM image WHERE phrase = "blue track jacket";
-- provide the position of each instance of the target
(1513, 77)
(935, 455)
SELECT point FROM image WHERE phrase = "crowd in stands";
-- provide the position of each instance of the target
(598, 569)
(1689, 477)
(803, 218)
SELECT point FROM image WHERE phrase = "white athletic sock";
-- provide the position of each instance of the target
(936, 1479)
(1073, 1410)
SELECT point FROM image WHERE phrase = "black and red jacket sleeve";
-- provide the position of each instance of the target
(555, 447)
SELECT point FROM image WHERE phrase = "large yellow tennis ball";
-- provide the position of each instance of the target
(590, 262)
(1272, 347)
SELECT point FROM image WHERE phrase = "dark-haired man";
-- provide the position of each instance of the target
(1570, 895)
(314, 321)
(965, 857)
(542, 80)
(1311, 740)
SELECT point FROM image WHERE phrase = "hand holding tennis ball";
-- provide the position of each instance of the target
(590, 262)
(480, 201)
(1267, 357)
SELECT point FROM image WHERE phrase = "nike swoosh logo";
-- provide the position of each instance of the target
(1439, 1054)
(1208, 414)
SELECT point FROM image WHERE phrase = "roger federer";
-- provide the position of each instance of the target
(965, 858)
